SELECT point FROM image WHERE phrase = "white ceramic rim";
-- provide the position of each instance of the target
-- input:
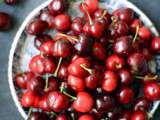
(17, 37)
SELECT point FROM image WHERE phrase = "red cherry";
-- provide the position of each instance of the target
(23, 78)
(63, 72)
(86, 28)
(139, 115)
(135, 23)
(141, 104)
(152, 91)
(110, 81)
(37, 99)
(46, 47)
(144, 33)
(77, 25)
(83, 103)
(62, 22)
(61, 117)
(76, 83)
(155, 44)
(57, 101)
(99, 51)
(5, 21)
(114, 62)
(52, 84)
(43, 104)
(86, 117)
(125, 95)
(126, 115)
(147, 54)
(41, 64)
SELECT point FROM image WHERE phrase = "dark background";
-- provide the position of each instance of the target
(8, 110)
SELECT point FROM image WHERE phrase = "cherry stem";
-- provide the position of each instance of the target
(58, 66)
(118, 66)
(69, 37)
(150, 115)
(103, 15)
(46, 84)
(88, 15)
(86, 69)
(114, 20)
(53, 114)
(147, 77)
(29, 112)
(136, 35)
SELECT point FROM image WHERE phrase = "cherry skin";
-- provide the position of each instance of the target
(52, 84)
(38, 116)
(139, 115)
(99, 51)
(97, 114)
(43, 103)
(135, 23)
(125, 77)
(125, 95)
(40, 64)
(76, 83)
(77, 25)
(62, 22)
(110, 81)
(147, 54)
(141, 104)
(152, 91)
(144, 33)
(83, 103)
(63, 72)
(114, 62)
(86, 28)
(10, 2)
(46, 47)
(23, 78)
(37, 27)
(61, 117)
(155, 44)
(57, 101)
(86, 117)
(125, 115)
(5, 21)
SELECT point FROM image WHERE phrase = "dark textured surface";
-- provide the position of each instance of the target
(8, 110)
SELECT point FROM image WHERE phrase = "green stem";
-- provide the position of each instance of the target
(103, 15)
(86, 69)
(70, 96)
(29, 112)
(46, 84)
(136, 35)
(58, 66)
(53, 114)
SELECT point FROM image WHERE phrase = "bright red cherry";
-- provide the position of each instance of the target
(46, 47)
(141, 104)
(5, 21)
(86, 117)
(155, 44)
(144, 33)
(125, 95)
(61, 117)
(43, 104)
(139, 115)
(41, 65)
(77, 25)
(63, 72)
(152, 91)
(62, 22)
(99, 51)
(83, 103)
(57, 101)
(135, 23)
(114, 62)
(110, 81)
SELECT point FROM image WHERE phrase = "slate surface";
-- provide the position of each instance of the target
(8, 110)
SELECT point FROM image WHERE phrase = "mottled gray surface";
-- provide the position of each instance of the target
(19, 12)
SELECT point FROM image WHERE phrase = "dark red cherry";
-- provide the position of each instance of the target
(43, 104)
(83, 103)
(86, 117)
(99, 51)
(36, 84)
(147, 54)
(104, 41)
(38, 116)
(47, 47)
(76, 83)
(155, 44)
(114, 62)
(139, 115)
(152, 91)
(144, 33)
(125, 77)
(125, 95)
(124, 14)
(86, 28)
(40, 39)
(141, 104)
(61, 117)
(23, 78)
(10, 2)
(61, 48)
(5, 21)
(125, 115)
(63, 72)
(62, 22)
(52, 84)
(97, 114)
(37, 27)
(135, 23)
(110, 81)
(77, 25)
(57, 101)
(40, 64)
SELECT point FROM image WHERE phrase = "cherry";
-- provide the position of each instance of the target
(97, 114)
(135, 23)
(86, 117)
(125, 77)
(86, 28)
(77, 25)
(46, 47)
(41, 65)
(5, 21)
(124, 14)
(40, 39)
(114, 62)
(57, 101)
(105, 103)
(110, 81)
(37, 100)
(23, 78)
(144, 33)
(37, 27)
(10, 2)
(152, 91)
(122, 45)
(61, 117)
(61, 48)
(125, 95)
(52, 84)
(104, 41)
(141, 104)
(36, 84)
(125, 115)
(155, 44)
(139, 115)
(43, 103)
(147, 54)
(63, 72)
(76, 83)
(99, 51)
(62, 22)
(38, 116)
(83, 103)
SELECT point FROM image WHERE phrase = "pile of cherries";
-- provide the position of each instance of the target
(96, 67)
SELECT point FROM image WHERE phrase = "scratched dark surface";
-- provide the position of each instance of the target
(8, 110)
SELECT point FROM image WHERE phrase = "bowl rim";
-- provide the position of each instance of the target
(20, 31)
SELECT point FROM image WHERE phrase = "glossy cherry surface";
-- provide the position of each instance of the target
(139, 115)
(86, 117)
